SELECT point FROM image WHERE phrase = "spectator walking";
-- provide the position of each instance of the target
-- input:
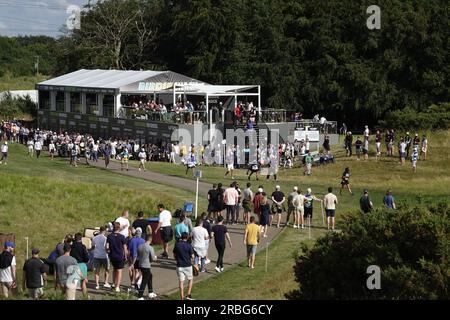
(79, 252)
(145, 256)
(424, 147)
(251, 240)
(142, 223)
(247, 198)
(199, 237)
(38, 148)
(134, 269)
(117, 250)
(34, 275)
(62, 265)
(184, 254)
(165, 225)
(308, 162)
(8, 269)
(414, 158)
(181, 227)
(219, 233)
(100, 258)
(124, 223)
(5, 149)
(265, 215)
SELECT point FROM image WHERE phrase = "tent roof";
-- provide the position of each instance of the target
(114, 79)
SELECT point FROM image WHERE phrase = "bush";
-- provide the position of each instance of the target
(410, 245)
(433, 117)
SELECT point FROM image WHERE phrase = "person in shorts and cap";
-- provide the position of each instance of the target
(34, 275)
(142, 158)
(7, 269)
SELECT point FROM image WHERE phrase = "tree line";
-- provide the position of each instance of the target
(312, 56)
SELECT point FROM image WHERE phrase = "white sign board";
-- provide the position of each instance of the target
(312, 135)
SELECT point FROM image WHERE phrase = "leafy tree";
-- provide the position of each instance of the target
(410, 245)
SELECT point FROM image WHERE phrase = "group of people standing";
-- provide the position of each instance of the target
(408, 147)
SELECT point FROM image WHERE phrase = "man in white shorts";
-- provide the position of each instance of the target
(184, 254)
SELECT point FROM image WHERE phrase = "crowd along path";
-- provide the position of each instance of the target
(165, 280)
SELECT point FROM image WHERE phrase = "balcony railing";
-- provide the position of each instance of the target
(266, 116)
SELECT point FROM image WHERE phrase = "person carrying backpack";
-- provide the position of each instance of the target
(7, 269)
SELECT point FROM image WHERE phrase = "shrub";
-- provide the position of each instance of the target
(410, 245)
(433, 117)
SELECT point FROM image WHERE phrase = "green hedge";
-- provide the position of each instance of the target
(410, 245)
(433, 117)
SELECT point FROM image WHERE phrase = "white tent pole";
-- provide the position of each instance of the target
(259, 98)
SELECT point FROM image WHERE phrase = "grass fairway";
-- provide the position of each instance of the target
(429, 184)
(45, 199)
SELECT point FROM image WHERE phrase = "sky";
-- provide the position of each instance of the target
(35, 17)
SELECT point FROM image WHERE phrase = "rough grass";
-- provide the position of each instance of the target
(8, 82)
(44, 200)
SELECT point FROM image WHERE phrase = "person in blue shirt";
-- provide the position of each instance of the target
(134, 270)
(181, 227)
(388, 200)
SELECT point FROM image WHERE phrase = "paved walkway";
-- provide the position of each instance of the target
(165, 280)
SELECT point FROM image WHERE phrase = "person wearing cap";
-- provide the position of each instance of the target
(79, 252)
(34, 275)
(100, 258)
(7, 269)
(257, 201)
(291, 207)
(364, 202)
(278, 200)
(4, 152)
(134, 269)
(142, 158)
(308, 205)
(62, 264)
